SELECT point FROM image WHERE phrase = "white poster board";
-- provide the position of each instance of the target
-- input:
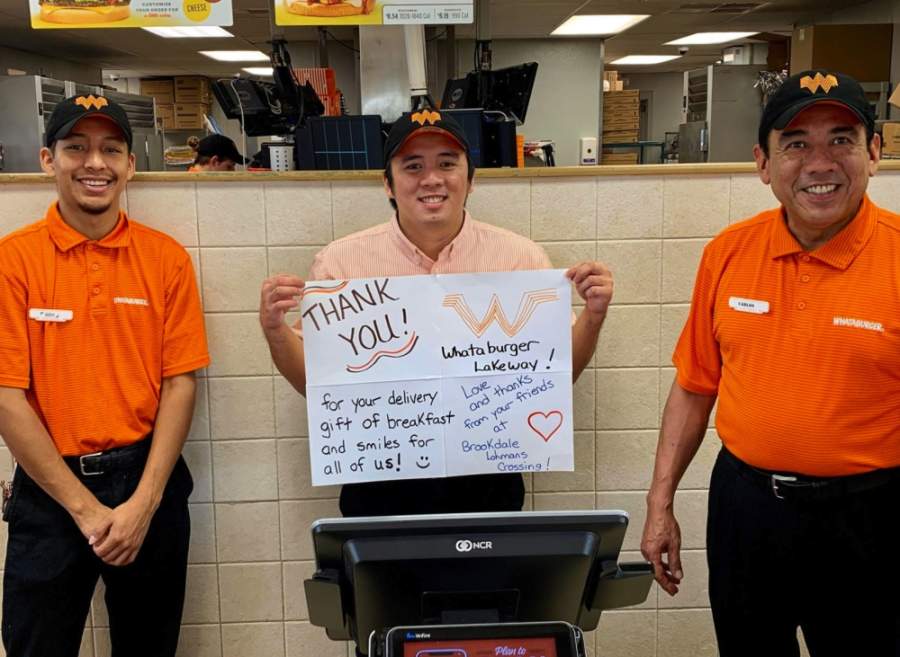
(414, 377)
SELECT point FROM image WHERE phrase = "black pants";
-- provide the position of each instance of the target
(51, 571)
(469, 494)
(828, 566)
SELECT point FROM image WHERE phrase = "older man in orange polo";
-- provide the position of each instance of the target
(795, 329)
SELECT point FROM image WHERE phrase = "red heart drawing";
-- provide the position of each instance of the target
(546, 425)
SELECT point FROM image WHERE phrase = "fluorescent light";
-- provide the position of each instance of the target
(635, 60)
(203, 31)
(706, 38)
(595, 24)
(236, 55)
(259, 70)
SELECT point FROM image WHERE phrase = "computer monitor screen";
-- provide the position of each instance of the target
(241, 96)
(553, 639)
(462, 568)
(460, 93)
(506, 90)
(509, 90)
(262, 107)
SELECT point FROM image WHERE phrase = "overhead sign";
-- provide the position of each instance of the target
(78, 14)
(373, 12)
(435, 376)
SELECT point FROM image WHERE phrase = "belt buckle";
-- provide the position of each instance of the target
(81, 464)
(775, 480)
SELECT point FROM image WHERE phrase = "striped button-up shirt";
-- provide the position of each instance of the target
(384, 250)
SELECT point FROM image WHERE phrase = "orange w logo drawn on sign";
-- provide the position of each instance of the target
(528, 304)
(91, 101)
(425, 116)
(826, 82)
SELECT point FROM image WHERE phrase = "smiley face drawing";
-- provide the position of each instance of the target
(423, 462)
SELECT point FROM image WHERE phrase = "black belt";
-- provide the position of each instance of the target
(117, 458)
(789, 486)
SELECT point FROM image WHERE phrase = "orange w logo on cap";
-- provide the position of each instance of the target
(91, 101)
(826, 82)
(425, 116)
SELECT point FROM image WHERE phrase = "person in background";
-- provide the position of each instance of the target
(427, 178)
(215, 153)
(795, 328)
(101, 332)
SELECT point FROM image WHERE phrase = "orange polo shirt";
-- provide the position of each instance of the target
(803, 348)
(132, 317)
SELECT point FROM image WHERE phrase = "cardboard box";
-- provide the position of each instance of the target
(165, 116)
(621, 95)
(618, 158)
(895, 97)
(622, 113)
(189, 116)
(192, 89)
(620, 136)
(162, 89)
(890, 138)
(623, 126)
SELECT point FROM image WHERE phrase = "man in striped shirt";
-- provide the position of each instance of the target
(427, 179)
(795, 328)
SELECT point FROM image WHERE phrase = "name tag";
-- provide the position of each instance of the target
(749, 305)
(50, 315)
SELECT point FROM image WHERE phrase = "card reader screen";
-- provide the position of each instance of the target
(523, 647)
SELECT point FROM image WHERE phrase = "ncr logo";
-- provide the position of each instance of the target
(465, 545)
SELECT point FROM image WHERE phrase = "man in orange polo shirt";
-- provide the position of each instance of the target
(100, 334)
(795, 328)
(427, 178)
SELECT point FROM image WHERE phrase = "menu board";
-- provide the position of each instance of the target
(414, 377)
(374, 12)
(81, 14)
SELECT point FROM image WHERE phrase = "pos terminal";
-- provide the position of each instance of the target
(476, 584)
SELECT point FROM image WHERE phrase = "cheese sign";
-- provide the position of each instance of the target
(82, 14)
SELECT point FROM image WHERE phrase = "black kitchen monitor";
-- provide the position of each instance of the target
(263, 108)
(506, 90)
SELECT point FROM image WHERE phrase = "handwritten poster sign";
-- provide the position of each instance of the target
(414, 377)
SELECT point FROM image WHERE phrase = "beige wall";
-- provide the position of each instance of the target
(252, 505)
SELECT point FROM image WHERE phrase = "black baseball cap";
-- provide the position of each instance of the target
(215, 144)
(807, 88)
(70, 111)
(426, 120)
